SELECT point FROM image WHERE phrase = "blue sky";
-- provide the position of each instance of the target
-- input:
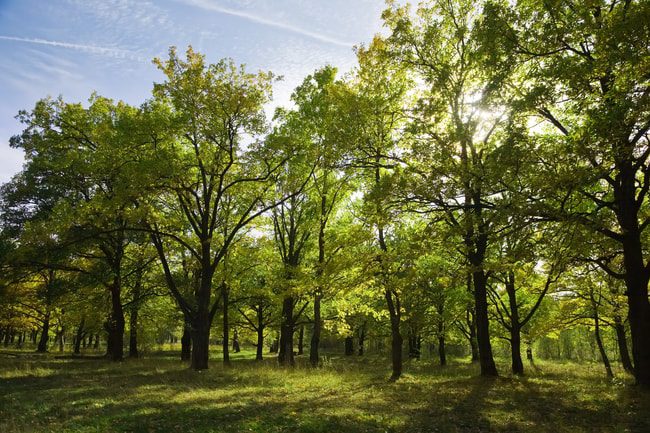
(74, 47)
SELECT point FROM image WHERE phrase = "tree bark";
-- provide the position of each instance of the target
(349, 346)
(517, 364)
(60, 339)
(79, 336)
(225, 292)
(636, 273)
(362, 339)
(8, 333)
(259, 354)
(601, 347)
(200, 334)
(488, 367)
(396, 336)
(116, 323)
(235, 341)
(621, 338)
(314, 357)
(275, 345)
(45, 334)
(301, 337)
(133, 332)
(133, 316)
(186, 342)
(442, 351)
(285, 355)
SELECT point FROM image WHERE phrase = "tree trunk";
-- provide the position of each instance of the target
(362, 339)
(186, 342)
(116, 323)
(442, 352)
(488, 367)
(515, 350)
(45, 334)
(636, 273)
(79, 336)
(285, 355)
(8, 333)
(301, 337)
(235, 341)
(621, 338)
(60, 338)
(515, 325)
(225, 292)
(200, 341)
(314, 357)
(133, 317)
(133, 332)
(275, 345)
(471, 325)
(412, 342)
(349, 346)
(396, 336)
(529, 353)
(96, 346)
(259, 354)
(601, 347)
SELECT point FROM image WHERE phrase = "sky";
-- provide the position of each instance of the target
(75, 47)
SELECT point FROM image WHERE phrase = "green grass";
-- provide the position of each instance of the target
(159, 394)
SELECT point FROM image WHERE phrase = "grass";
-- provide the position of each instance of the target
(159, 394)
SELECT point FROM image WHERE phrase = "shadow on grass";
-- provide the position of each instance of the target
(163, 395)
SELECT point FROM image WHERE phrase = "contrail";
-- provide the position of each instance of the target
(94, 49)
(207, 5)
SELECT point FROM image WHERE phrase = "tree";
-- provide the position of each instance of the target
(314, 123)
(80, 173)
(214, 185)
(453, 165)
(583, 69)
(377, 114)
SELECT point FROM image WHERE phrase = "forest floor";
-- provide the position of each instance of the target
(160, 394)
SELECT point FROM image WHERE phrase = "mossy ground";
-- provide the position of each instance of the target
(160, 394)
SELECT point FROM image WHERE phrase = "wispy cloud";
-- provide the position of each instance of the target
(93, 49)
(211, 6)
